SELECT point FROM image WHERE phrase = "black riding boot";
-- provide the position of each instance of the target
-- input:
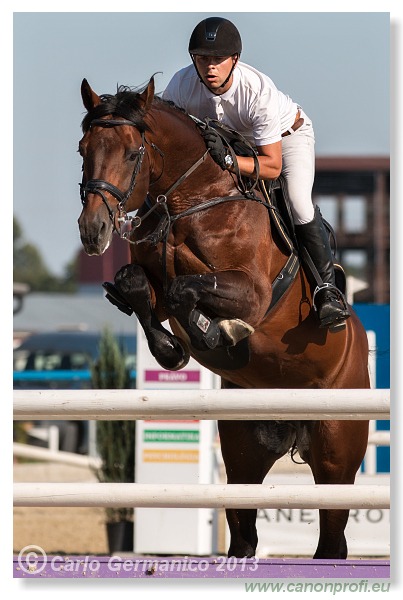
(327, 299)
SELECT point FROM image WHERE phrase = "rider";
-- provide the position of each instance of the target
(217, 85)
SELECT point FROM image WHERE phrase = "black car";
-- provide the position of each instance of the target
(62, 360)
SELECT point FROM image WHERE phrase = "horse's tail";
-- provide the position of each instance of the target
(293, 452)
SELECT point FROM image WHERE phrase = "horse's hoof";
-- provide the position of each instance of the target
(170, 353)
(234, 330)
(244, 550)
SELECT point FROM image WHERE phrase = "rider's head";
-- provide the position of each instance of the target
(215, 46)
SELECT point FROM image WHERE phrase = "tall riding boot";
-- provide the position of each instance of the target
(327, 299)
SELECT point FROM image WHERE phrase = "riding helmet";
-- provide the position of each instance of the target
(215, 36)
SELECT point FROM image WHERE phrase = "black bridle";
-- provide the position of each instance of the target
(99, 186)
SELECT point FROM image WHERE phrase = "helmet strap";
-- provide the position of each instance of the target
(230, 73)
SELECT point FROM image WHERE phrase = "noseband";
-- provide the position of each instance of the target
(99, 186)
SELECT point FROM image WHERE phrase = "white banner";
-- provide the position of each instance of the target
(295, 532)
(173, 452)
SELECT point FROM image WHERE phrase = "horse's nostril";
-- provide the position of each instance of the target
(103, 229)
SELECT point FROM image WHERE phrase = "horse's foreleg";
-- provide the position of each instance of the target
(132, 283)
(227, 294)
(336, 451)
(221, 305)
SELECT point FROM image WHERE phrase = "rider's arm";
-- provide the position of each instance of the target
(270, 162)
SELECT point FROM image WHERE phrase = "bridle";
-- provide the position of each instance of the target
(99, 186)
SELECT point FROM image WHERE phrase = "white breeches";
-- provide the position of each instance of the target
(299, 170)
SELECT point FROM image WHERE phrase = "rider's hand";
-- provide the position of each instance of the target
(215, 145)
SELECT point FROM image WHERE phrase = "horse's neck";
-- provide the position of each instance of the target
(182, 147)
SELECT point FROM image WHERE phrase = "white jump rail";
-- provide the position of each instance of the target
(59, 456)
(277, 404)
(239, 404)
(200, 495)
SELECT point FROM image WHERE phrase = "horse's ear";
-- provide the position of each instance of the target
(90, 98)
(148, 95)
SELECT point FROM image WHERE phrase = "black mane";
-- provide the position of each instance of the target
(126, 103)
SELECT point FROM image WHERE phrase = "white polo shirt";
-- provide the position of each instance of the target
(253, 105)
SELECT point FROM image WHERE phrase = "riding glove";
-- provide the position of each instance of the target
(215, 145)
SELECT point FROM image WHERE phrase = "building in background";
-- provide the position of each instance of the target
(354, 196)
(92, 271)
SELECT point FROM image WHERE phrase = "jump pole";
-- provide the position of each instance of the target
(242, 404)
(200, 495)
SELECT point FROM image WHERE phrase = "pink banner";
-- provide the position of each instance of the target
(172, 376)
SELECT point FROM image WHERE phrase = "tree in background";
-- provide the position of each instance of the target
(115, 439)
(29, 267)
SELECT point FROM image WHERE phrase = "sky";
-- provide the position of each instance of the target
(335, 64)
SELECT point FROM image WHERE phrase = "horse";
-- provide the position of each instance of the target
(205, 257)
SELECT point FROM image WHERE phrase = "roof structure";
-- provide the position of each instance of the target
(85, 312)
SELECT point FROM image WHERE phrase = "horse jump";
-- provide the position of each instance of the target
(204, 404)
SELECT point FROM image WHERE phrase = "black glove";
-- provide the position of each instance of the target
(215, 144)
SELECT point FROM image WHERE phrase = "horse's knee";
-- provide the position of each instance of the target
(183, 295)
(131, 280)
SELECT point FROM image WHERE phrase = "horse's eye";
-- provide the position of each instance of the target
(132, 155)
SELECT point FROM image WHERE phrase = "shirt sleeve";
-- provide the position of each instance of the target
(172, 91)
(265, 118)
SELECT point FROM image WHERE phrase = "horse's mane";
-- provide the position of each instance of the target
(126, 103)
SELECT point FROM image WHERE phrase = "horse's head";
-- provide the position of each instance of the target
(115, 173)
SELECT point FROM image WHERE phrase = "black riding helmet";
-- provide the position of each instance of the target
(215, 36)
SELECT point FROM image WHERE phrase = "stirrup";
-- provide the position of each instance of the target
(332, 288)
(337, 319)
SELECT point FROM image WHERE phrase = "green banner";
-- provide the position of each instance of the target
(171, 435)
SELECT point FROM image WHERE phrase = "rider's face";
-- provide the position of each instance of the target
(214, 70)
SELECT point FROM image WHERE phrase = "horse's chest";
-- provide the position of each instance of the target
(187, 259)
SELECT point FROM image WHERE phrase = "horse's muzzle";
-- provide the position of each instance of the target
(95, 234)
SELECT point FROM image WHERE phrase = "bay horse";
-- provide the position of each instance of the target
(204, 256)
